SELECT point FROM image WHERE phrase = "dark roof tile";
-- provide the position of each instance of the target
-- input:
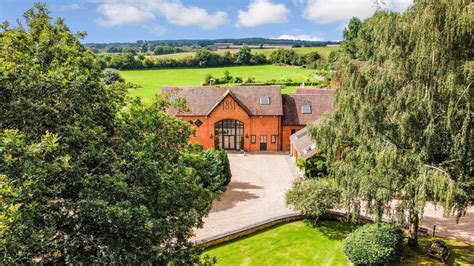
(320, 100)
(202, 100)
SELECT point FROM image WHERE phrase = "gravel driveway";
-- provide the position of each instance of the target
(256, 193)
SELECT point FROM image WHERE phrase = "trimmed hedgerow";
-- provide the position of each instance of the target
(374, 244)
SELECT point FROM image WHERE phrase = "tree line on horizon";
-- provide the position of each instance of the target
(203, 58)
(143, 46)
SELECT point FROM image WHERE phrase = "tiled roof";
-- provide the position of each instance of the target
(303, 143)
(313, 91)
(320, 100)
(202, 100)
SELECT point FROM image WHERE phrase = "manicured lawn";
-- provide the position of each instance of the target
(300, 243)
(152, 80)
(296, 243)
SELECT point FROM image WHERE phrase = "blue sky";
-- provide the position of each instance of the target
(131, 20)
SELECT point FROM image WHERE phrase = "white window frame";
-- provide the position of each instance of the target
(266, 102)
(310, 111)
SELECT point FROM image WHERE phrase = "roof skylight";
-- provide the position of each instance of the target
(265, 100)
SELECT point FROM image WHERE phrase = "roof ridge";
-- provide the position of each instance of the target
(223, 87)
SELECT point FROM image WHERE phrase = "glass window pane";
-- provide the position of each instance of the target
(265, 100)
(306, 109)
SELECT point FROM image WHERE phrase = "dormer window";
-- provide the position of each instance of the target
(173, 99)
(264, 100)
(310, 148)
(306, 109)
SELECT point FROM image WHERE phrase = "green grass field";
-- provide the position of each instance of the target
(295, 243)
(299, 243)
(152, 80)
(323, 51)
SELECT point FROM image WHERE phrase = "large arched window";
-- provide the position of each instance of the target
(229, 135)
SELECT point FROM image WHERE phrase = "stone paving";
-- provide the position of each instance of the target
(257, 193)
(447, 227)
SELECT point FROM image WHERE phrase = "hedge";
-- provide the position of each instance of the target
(374, 244)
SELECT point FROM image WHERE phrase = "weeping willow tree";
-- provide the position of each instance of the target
(401, 133)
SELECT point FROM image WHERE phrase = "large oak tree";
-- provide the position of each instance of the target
(86, 177)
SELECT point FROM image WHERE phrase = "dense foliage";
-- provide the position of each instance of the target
(86, 177)
(200, 58)
(144, 46)
(207, 58)
(290, 57)
(111, 76)
(402, 125)
(313, 167)
(212, 168)
(374, 244)
(313, 197)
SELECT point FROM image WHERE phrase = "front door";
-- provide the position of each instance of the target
(229, 135)
(263, 142)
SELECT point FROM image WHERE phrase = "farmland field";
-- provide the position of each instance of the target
(323, 51)
(152, 80)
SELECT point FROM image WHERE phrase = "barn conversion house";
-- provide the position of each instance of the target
(248, 118)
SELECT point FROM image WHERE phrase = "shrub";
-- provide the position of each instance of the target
(313, 197)
(227, 77)
(211, 166)
(224, 169)
(374, 244)
(111, 75)
(313, 167)
(250, 80)
(210, 80)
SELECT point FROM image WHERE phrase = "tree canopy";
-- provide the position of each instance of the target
(402, 126)
(86, 176)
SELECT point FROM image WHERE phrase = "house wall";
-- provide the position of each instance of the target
(228, 108)
(286, 133)
(265, 125)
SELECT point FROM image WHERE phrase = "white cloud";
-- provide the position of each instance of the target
(302, 37)
(178, 14)
(329, 11)
(133, 12)
(262, 12)
(122, 14)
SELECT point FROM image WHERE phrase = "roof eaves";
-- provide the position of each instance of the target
(229, 93)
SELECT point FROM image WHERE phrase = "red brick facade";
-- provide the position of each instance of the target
(225, 117)
(229, 109)
(287, 131)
